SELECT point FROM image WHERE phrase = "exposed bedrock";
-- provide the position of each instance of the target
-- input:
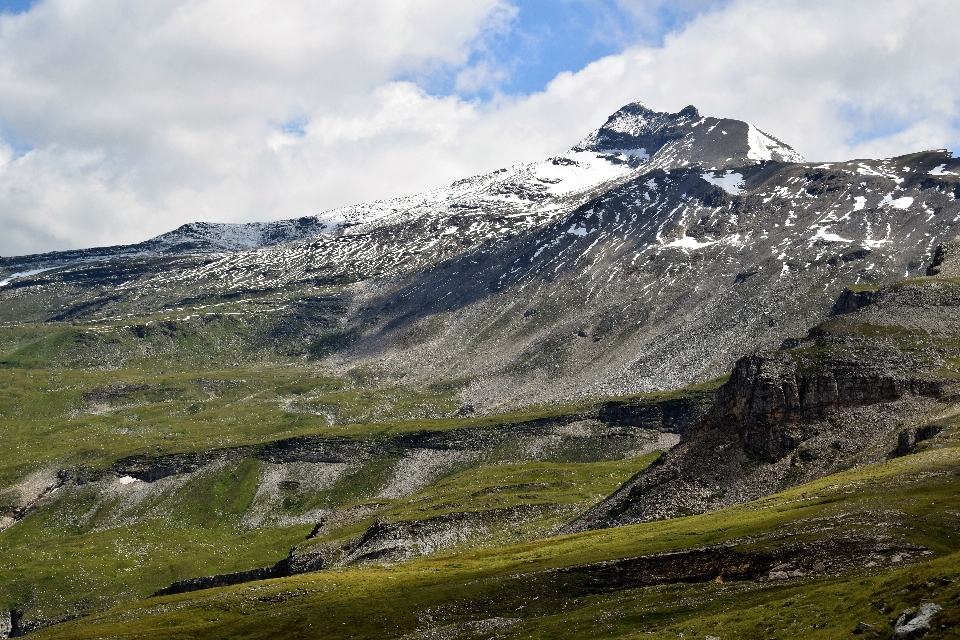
(852, 299)
(762, 440)
(728, 563)
(766, 399)
(946, 260)
(671, 416)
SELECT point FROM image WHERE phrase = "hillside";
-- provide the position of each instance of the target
(812, 562)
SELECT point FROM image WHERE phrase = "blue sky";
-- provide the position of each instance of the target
(547, 37)
(14, 6)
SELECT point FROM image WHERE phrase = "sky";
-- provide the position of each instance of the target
(122, 120)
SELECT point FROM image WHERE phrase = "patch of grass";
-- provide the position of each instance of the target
(332, 342)
(81, 552)
(64, 417)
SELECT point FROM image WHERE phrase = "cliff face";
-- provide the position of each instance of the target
(860, 387)
(768, 401)
(946, 260)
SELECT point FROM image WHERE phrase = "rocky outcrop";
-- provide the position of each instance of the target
(908, 439)
(946, 260)
(730, 563)
(383, 541)
(21, 499)
(315, 559)
(767, 399)
(670, 416)
(914, 624)
(209, 582)
(853, 299)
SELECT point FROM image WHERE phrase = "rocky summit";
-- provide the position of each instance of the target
(676, 381)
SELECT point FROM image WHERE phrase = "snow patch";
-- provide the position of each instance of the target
(687, 242)
(939, 171)
(22, 274)
(899, 203)
(859, 203)
(730, 181)
(822, 234)
(580, 170)
(128, 480)
(758, 144)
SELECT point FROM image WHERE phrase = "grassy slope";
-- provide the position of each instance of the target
(914, 497)
(80, 552)
(76, 555)
(58, 413)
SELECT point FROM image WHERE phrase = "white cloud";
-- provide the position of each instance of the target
(143, 116)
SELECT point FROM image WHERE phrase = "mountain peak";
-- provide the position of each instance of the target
(685, 138)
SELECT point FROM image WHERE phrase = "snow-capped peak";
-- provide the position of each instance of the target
(686, 138)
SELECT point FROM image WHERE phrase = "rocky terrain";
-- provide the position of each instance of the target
(852, 392)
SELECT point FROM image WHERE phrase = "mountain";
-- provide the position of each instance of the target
(675, 140)
(653, 254)
(629, 137)
(667, 382)
(877, 533)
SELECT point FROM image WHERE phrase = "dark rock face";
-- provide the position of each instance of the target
(670, 416)
(209, 582)
(766, 399)
(851, 300)
(728, 564)
(946, 260)
(908, 439)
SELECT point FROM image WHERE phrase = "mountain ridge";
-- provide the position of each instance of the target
(632, 125)
(595, 272)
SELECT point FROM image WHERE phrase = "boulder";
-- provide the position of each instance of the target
(914, 624)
